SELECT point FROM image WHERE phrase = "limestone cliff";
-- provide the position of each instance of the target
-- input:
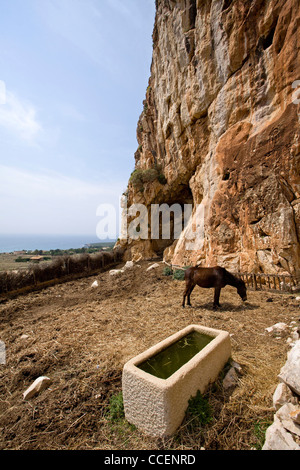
(220, 130)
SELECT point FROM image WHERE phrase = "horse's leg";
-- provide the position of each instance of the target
(184, 295)
(189, 295)
(217, 297)
(186, 291)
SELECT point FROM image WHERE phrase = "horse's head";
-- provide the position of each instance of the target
(242, 290)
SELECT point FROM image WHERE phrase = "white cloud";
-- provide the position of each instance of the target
(51, 203)
(20, 118)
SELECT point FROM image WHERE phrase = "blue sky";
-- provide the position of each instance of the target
(75, 74)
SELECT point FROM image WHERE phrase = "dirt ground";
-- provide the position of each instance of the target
(80, 337)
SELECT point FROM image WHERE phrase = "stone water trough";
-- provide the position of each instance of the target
(158, 383)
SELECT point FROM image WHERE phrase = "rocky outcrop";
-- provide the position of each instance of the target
(220, 130)
(284, 433)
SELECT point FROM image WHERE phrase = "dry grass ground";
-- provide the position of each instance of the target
(81, 337)
(8, 263)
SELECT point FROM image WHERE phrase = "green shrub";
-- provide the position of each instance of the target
(116, 408)
(149, 175)
(178, 275)
(199, 411)
(167, 271)
(140, 177)
(136, 179)
(162, 179)
(260, 428)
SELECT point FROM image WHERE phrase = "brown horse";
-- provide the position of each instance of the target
(216, 277)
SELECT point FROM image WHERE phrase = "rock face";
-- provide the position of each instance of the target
(220, 130)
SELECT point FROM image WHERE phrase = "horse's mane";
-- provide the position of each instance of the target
(233, 278)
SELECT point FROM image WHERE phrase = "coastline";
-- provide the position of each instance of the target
(31, 243)
(19, 259)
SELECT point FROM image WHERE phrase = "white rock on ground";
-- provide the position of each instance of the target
(282, 395)
(236, 366)
(277, 438)
(295, 415)
(284, 414)
(295, 334)
(284, 433)
(290, 372)
(2, 353)
(24, 336)
(115, 272)
(230, 379)
(277, 328)
(153, 266)
(95, 284)
(129, 265)
(36, 387)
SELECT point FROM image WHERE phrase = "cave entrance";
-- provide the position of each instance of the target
(169, 217)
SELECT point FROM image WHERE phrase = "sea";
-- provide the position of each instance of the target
(10, 243)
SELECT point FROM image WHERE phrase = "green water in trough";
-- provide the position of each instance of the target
(169, 360)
